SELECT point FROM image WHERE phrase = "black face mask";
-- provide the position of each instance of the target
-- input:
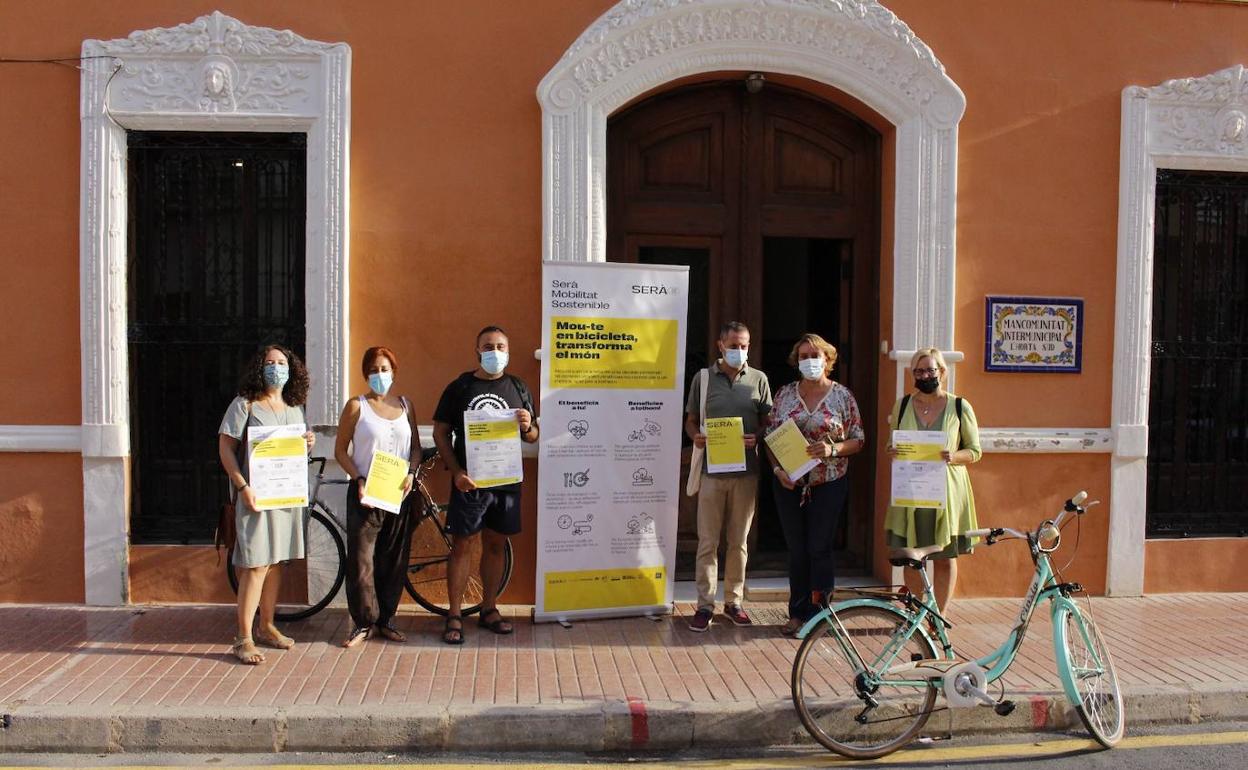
(927, 386)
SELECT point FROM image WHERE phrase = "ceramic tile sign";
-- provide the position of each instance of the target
(1033, 334)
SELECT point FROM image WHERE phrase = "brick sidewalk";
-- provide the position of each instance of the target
(169, 658)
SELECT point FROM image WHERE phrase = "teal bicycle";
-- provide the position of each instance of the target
(869, 669)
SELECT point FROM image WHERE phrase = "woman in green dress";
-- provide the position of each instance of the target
(272, 391)
(931, 407)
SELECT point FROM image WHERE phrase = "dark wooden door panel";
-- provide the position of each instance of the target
(773, 200)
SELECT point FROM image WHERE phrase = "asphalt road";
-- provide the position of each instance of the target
(1198, 747)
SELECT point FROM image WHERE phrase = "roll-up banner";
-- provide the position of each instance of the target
(613, 340)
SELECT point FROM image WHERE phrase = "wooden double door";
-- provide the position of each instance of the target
(772, 199)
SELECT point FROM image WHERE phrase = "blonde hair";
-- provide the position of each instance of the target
(818, 343)
(932, 353)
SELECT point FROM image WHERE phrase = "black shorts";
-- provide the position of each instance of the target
(495, 509)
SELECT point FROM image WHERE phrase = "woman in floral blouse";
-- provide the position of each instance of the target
(810, 508)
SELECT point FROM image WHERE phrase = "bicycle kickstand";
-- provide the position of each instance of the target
(927, 740)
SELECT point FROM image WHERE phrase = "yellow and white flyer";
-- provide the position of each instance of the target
(384, 487)
(277, 464)
(920, 479)
(789, 447)
(725, 444)
(492, 445)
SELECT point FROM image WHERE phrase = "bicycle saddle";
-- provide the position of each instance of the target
(912, 557)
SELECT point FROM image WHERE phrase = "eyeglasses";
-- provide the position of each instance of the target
(926, 372)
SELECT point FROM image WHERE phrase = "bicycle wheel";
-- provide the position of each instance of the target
(1088, 676)
(851, 711)
(308, 584)
(426, 567)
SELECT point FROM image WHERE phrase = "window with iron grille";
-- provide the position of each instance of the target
(1198, 420)
(216, 269)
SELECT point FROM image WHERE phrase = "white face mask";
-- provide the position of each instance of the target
(735, 357)
(494, 361)
(380, 382)
(811, 368)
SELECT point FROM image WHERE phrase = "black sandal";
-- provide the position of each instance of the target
(388, 630)
(357, 635)
(499, 626)
(452, 635)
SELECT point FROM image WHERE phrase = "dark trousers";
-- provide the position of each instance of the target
(808, 531)
(378, 545)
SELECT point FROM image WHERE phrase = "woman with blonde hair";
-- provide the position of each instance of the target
(930, 407)
(810, 508)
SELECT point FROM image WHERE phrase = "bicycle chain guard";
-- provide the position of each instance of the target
(961, 682)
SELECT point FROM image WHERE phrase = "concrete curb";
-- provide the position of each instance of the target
(608, 726)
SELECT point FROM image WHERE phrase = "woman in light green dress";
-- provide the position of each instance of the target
(930, 407)
(272, 391)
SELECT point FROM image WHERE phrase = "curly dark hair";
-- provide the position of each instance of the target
(251, 385)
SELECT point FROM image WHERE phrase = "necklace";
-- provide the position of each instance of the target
(925, 410)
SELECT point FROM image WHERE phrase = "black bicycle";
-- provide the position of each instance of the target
(309, 585)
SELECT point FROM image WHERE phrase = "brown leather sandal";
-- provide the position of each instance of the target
(278, 642)
(245, 650)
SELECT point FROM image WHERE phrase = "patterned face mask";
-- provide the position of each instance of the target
(276, 375)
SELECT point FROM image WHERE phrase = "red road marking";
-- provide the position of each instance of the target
(641, 722)
(1039, 711)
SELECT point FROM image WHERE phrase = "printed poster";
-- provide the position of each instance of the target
(725, 444)
(384, 486)
(277, 465)
(492, 447)
(920, 479)
(613, 340)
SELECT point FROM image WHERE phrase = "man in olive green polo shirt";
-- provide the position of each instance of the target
(726, 500)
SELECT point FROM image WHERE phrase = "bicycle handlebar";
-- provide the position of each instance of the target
(427, 456)
(1073, 505)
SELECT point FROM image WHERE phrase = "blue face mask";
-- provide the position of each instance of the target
(735, 357)
(276, 375)
(380, 382)
(494, 361)
(811, 368)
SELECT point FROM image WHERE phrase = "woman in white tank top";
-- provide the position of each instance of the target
(378, 541)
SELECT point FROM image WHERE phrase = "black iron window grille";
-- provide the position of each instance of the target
(216, 268)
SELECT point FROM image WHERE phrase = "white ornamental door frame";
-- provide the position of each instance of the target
(1188, 123)
(213, 74)
(857, 46)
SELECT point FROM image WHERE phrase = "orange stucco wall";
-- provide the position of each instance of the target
(1180, 566)
(41, 512)
(446, 212)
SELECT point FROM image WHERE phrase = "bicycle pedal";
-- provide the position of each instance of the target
(1004, 708)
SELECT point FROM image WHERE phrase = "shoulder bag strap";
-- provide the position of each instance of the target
(902, 410)
(705, 383)
(957, 407)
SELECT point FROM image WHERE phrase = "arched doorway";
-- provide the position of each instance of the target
(772, 199)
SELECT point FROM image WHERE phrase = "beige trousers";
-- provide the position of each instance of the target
(725, 504)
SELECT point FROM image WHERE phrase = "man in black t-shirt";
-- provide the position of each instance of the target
(490, 515)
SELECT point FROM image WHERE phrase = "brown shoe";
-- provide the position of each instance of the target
(792, 627)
